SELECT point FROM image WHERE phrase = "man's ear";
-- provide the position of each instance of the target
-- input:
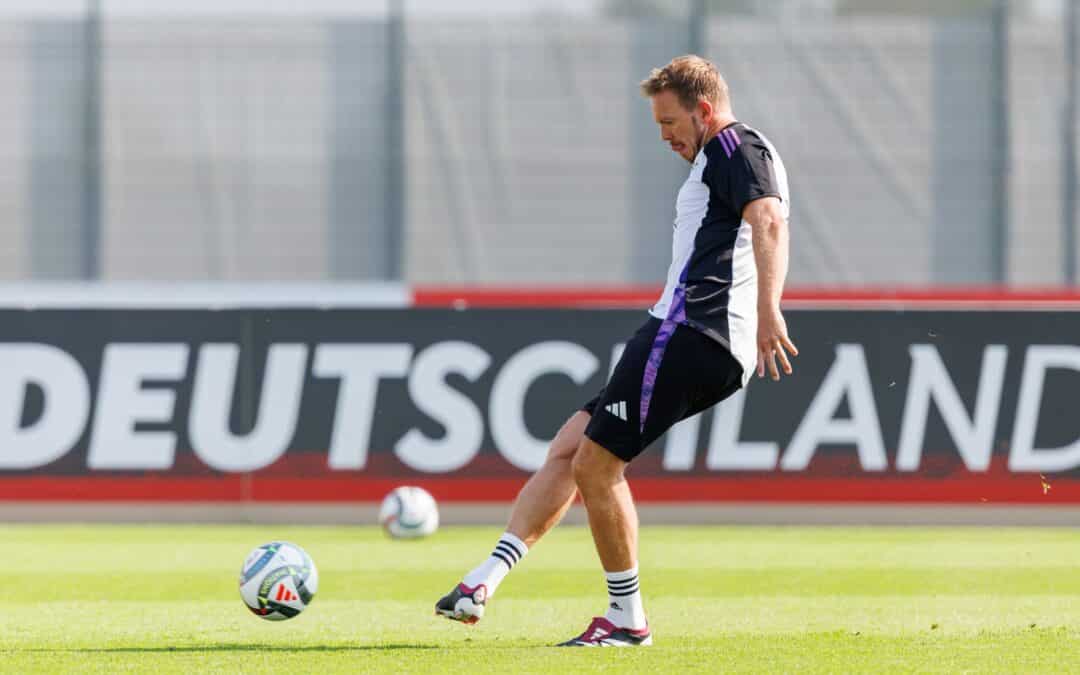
(706, 110)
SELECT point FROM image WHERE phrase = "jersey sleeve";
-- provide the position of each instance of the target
(748, 174)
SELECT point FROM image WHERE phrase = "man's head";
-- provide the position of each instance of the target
(690, 103)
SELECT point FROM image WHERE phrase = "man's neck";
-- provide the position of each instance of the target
(720, 123)
(714, 129)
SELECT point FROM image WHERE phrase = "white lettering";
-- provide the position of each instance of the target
(930, 381)
(66, 405)
(359, 368)
(1024, 455)
(122, 403)
(847, 377)
(726, 453)
(279, 407)
(508, 396)
(449, 407)
(680, 447)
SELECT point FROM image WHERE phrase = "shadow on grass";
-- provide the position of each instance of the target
(228, 648)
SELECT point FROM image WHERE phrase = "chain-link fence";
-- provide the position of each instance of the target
(927, 142)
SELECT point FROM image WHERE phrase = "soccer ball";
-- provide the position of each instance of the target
(278, 581)
(409, 513)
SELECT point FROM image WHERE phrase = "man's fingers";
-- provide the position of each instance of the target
(775, 348)
(784, 363)
(789, 345)
(773, 372)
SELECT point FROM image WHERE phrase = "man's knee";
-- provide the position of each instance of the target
(566, 442)
(562, 450)
(594, 465)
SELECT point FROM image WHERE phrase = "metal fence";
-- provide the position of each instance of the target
(507, 143)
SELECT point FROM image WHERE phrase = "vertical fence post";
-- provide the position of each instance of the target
(1068, 146)
(395, 141)
(969, 149)
(999, 112)
(90, 240)
(654, 174)
(696, 29)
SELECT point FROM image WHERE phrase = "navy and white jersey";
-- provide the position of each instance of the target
(712, 281)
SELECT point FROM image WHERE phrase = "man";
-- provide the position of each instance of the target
(718, 318)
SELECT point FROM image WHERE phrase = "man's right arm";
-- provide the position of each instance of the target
(770, 238)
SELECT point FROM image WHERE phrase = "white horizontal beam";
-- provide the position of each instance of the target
(200, 295)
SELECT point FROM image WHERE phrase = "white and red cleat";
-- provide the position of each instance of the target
(603, 633)
(463, 604)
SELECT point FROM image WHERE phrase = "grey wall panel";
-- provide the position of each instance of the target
(964, 150)
(215, 147)
(15, 168)
(255, 148)
(361, 187)
(55, 100)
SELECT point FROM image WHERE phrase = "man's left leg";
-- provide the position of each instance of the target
(614, 524)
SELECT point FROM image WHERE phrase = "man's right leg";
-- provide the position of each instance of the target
(540, 505)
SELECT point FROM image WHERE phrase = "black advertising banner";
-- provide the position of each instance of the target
(341, 405)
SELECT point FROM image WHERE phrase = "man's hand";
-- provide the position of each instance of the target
(772, 341)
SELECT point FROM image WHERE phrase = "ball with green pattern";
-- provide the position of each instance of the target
(278, 580)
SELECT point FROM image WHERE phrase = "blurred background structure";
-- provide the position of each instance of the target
(929, 142)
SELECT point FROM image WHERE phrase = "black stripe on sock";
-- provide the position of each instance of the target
(501, 556)
(623, 583)
(623, 592)
(520, 553)
(508, 550)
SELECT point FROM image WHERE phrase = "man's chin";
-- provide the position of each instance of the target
(688, 155)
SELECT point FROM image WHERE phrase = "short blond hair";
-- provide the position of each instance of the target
(692, 79)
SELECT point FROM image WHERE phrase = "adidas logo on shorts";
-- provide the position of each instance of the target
(618, 410)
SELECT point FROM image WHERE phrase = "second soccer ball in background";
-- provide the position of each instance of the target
(409, 512)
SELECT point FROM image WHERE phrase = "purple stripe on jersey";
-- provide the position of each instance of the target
(676, 315)
(724, 141)
(734, 138)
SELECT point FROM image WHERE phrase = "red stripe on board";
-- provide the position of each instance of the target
(540, 296)
(973, 489)
(989, 294)
(644, 296)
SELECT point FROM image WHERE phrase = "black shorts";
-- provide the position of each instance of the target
(661, 378)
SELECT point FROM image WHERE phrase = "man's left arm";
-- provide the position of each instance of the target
(770, 238)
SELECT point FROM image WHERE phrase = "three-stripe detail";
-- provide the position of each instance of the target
(729, 138)
(624, 587)
(507, 552)
(285, 595)
(618, 410)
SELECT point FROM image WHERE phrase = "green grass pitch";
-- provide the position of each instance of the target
(721, 599)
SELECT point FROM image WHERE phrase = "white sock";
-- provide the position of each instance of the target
(508, 553)
(625, 608)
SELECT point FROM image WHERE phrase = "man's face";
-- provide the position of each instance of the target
(680, 128)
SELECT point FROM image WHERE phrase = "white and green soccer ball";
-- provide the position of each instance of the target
(278, 581)
(409, 512)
